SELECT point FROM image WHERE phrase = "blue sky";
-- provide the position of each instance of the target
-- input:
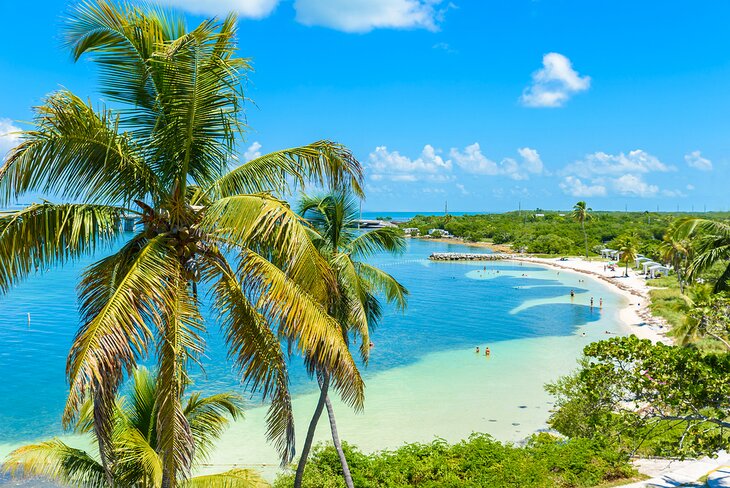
(487, 104)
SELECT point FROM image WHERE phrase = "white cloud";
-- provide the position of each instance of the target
(253, 151)
(8, 137)
(600, 163)
(462, 189)
(444, 46)
(472, 160)
(246, 8)
(366, 15)
(554, 83)
(393, 166)
(575, 187)
(633, 185)
(695, 160)
(531, 160)
(690, 187)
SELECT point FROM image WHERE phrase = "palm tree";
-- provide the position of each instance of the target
(676, 250)
(163, 156)
(710, 241)
(627, 247)
(582, 213)
(135, 443)
(356, 306)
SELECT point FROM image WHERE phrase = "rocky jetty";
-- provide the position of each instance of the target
(467, 256)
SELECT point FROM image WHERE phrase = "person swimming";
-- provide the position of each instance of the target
(477, 349)
(572, 294)
(591, 302)
(487, 352)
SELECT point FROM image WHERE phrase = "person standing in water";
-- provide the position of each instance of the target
(591, 302)
(477, 349)
(572, 294)
(487, 352)
(600, 302)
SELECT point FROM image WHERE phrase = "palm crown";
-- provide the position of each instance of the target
(134, 442)
(163, 154)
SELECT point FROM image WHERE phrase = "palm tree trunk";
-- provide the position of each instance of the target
(585, 236)
(338, 445)
(323, 387)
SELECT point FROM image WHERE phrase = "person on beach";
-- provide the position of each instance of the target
(600, 302)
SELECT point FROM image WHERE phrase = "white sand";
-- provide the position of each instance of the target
(636, 316)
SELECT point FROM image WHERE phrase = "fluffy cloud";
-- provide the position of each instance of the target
(600, 163)
(253, 151)
(472, 160)
(633, 185)
(695, 160)
(575, 187)
(8, 137)
(393, 166)
(366, 15)
(246, 8)
(462, 189)
(554, 83)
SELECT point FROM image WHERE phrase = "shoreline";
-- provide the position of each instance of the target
(635, 316)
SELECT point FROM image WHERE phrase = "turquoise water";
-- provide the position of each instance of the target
(523, 312)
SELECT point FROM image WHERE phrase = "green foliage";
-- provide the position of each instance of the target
(522, 228)
(649, 398)
(545, 461)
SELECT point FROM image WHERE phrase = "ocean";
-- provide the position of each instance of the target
(424, 378)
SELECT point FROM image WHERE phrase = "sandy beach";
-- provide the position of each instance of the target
(636, 316)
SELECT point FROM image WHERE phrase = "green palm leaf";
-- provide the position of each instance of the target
(46, 234)
(235, 478)
(55, 460)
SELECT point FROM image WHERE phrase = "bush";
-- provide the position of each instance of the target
(545, 461)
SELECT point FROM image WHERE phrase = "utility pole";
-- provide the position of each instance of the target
(446, 208)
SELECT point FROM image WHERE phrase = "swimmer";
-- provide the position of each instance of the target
(372, 345)
(477, 349)
(600, 302)
(591, 302)
(572, 294)
(487, 352)
(583, 334)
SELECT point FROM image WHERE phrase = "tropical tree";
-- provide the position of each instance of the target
(709, 317)
(356, 289)
(710, 241)
(135, 443)
(626, 245)
(163, 156)
(677, 250)
(582, 213)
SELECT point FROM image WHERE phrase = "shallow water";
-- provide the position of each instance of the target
(424, 378)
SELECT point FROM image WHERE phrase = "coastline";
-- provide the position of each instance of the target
(635, 316)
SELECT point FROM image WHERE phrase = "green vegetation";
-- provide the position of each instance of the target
(545, 461)
(133, 458)
(647, 398)
(558, 232)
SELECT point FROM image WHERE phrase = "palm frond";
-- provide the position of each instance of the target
(263, 222)
(386, 239)
(235, 478)
(120, 296)
(325, 163)
(46, 234)
(208, 417)
(256, 350)
(76, 153)
(385, 283)
(57, 461)
(303, 319)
